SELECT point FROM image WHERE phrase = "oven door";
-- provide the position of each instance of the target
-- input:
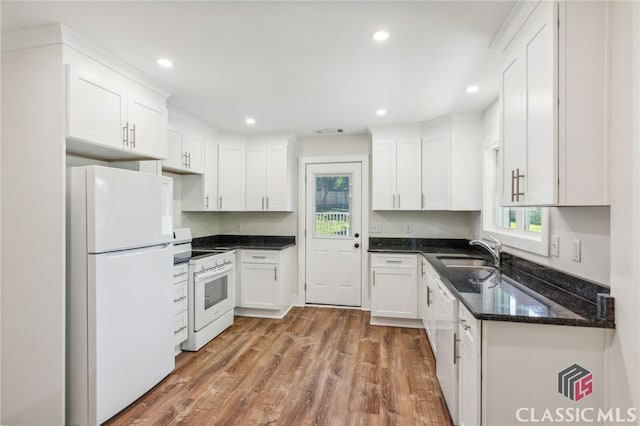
(213, 294)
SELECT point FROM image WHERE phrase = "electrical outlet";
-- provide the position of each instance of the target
(576, 251)
(375, 228)
(408, 228)
(555, 246)
(238, 227)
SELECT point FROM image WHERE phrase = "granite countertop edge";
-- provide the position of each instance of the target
(246, 247)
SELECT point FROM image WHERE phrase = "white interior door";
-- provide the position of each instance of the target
(333, 234)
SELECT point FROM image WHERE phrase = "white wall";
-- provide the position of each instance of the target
(623, 356)
(258, 223)
(33, 246)
(590, 225)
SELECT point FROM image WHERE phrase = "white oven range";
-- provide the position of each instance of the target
(211, 296)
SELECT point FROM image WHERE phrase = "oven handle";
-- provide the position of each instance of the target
(221, 270)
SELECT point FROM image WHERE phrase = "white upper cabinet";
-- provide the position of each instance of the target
(185, 147)
(553, 108)
(439, 168)
(231, 177)
(396, 172)
(200, 192)
(269, 170)
(436, 172)
(112, 117)
(97, 108)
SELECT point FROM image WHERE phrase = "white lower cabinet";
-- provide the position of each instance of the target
(180, 304)
(394, 286)
(493, 361)
(469, 364)
(265, 284)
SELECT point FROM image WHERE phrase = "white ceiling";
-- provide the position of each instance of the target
(297, 66)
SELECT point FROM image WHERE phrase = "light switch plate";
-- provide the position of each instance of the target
(555, 245)
(408, 228)
(576, 251)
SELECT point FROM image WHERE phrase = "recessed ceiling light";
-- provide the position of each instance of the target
(165, 63)
(472, 89)
(381, 112)
(381, 35)
(250, 121)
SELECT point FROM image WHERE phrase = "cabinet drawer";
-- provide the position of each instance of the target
(180, 297)
(180, 272)
(180, 328)
(469, 329)
(394, 260)
(259, 256)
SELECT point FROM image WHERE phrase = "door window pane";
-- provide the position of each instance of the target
(332, 216)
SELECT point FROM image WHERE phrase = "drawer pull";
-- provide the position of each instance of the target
(179, 299)
(258, 257)
(180, 274)
(394, 261)
(180, 329)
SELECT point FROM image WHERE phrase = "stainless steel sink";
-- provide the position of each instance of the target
(465, 262)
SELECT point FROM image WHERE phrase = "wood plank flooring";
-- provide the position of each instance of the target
(318, 366)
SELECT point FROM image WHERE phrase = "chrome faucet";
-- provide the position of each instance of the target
(495, 251)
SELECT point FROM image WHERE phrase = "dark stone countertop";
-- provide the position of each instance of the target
(522, 291)
(253, 242)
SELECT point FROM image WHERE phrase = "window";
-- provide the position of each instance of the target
(519, 227)
(332, 206)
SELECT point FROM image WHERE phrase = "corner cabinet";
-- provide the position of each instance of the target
(112, 117)
(394, 286)
(396, 172)
(553, 108)
(269, 175)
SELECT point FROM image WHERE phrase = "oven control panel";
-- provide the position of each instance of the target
(214, 261)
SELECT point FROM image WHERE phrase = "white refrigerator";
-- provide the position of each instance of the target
(119, 289)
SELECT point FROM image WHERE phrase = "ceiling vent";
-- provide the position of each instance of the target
(329, 131)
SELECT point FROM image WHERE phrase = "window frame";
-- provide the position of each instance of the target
(533, 242)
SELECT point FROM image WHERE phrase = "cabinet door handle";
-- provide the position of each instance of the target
(394, 261)
(206, 202)
(258, 257)
(180, 329)
(275, 273)
(422, 202)
(179, 299)
(428, 296)
(456, 357)
(394, 201)
(398, 200)
(221, 202)
(513, 186)
(133, 136)
(184, 161)
(518, 177)
(422, 271)
(125, 134)
(263, 202)
(464, 325)
(267, 202)
(374, 278)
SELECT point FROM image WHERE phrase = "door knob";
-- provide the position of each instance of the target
(356, 235)
(356, 245)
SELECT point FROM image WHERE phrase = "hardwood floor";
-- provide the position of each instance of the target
(317, 366)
